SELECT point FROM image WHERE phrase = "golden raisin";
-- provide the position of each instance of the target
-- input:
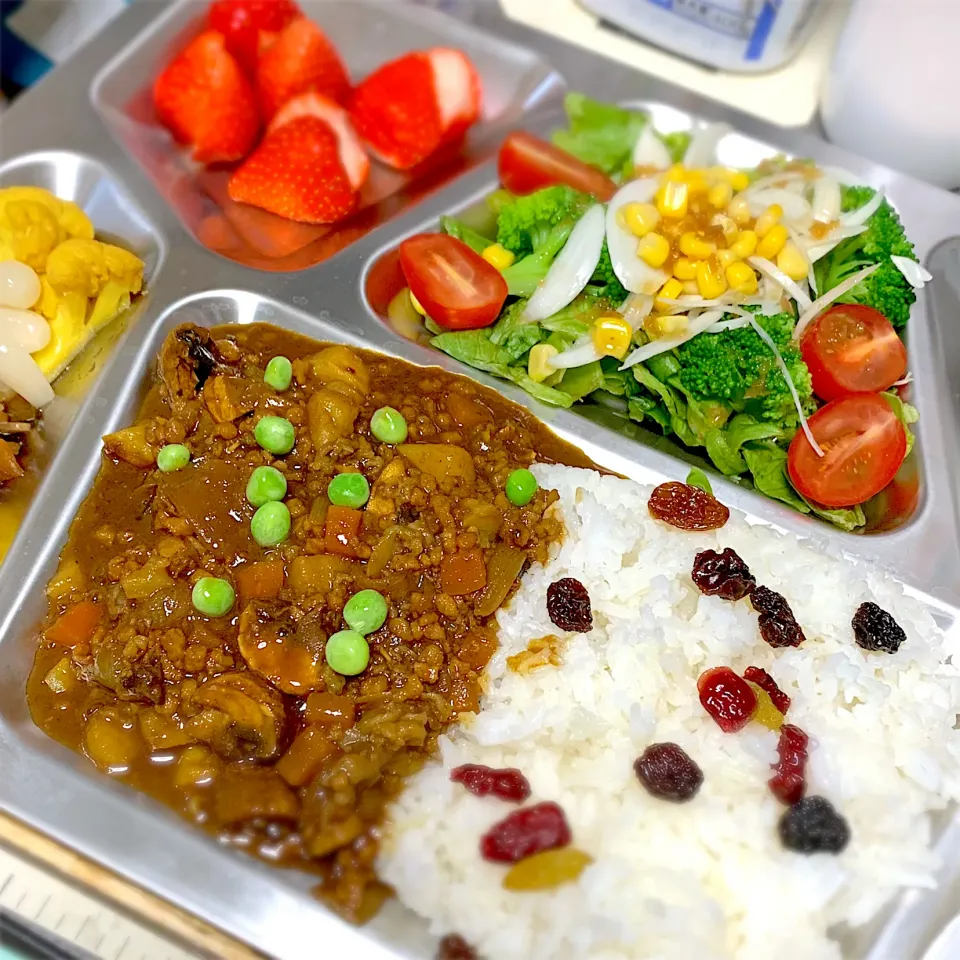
(546, 870)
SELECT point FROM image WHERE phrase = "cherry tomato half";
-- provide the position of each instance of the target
(528, 163)
(863, 443)
(852, 349)
(454, 284)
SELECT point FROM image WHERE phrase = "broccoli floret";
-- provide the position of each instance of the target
(737, 367)
(523, 276)
(605, 281)
(886, 289)
(523, 225)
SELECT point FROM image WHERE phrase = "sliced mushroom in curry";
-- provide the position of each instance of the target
(237, 721)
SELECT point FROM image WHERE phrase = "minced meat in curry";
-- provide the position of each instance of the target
(237, 721)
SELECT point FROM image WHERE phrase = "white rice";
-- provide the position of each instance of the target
(708, 878)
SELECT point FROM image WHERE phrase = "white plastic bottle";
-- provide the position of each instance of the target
(893, 91)
(745, 36)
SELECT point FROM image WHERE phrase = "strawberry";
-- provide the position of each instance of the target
(355, 161)
(205, 100)
(296, 172)
(301, 60)
(412, 106)
(250, 25)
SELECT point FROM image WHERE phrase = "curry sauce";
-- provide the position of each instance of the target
(237, 722)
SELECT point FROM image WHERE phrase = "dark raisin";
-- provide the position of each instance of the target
(509, 784)
(789, 782)
(454, 947)
(568, 604)
(526, 832)
(729, 699)
(875, 629)
(686, 507)
(778, 625)
(722, 575)
(667, 772)
(763, 680)
(813, 826)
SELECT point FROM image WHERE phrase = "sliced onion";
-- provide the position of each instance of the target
(583, 351)
(689, 302)
(702, 150)
(636, 308)
(631, 271)
(19, 371)
(571, 271)
(24, 328)
(913, 273)
(768, 340)
(772, 271)
(821, 303)
(767, 308)
(795, 207)
(736, 323)
(826, 199)
(902, 383)
(695, 327)
(650, 151)
(854, 218)
(816, 251)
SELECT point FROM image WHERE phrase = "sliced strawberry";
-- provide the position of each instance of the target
(301, 60)
(458, 88)
(248, 25)
(206, 101)
(395, 111)
(296, 172)
(352, 155)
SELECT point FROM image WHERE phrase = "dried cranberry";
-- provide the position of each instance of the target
(686, 507)
(813, 826)
(789, 783)
(763, 680)
(729, 699)
(778, 625)
(875, 629)
(568, 604)
(454, 947)
(722, 575)
(667, 772)
(526, 832)
(509, 784)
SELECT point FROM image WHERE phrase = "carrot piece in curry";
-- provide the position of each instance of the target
(260, 581)
(342, 529)
(464, 572)
(77, 625)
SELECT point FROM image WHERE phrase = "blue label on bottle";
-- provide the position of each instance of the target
(730, 18)
(761, 32)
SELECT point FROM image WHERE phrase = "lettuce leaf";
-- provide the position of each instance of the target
(457, 228)
(724, 444)
(601, 134)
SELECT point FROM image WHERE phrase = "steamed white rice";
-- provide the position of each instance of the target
(708, 878)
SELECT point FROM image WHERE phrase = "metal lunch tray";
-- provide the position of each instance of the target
(81, 148)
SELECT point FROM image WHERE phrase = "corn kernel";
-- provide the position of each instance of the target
(773, 242)
(612, 336)
(792, 262)
(539, 366)
(739, 180)
(739, 211)
(677, 173)
(672, 199)
(711, 282)
(697, 183)
(696, 247)
(726, 257)
(768, 220)
(498, 256)
(741, 278)
(745, 245)
(665, 325)
(685, 269)
(653, 250)
(690, 288)
(640, 218)
(416, 304)
(669, 291)
(719, 195)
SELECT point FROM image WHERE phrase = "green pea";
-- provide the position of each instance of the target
(213, 597)
(279, 373)
(266, 484)
(271, 524)
(348, 653)
(521, 487)
(349, 490)
(388, 425)
(173, 457)
(365, 612)
(275, 434)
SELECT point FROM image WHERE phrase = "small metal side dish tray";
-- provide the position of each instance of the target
(79, 134)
